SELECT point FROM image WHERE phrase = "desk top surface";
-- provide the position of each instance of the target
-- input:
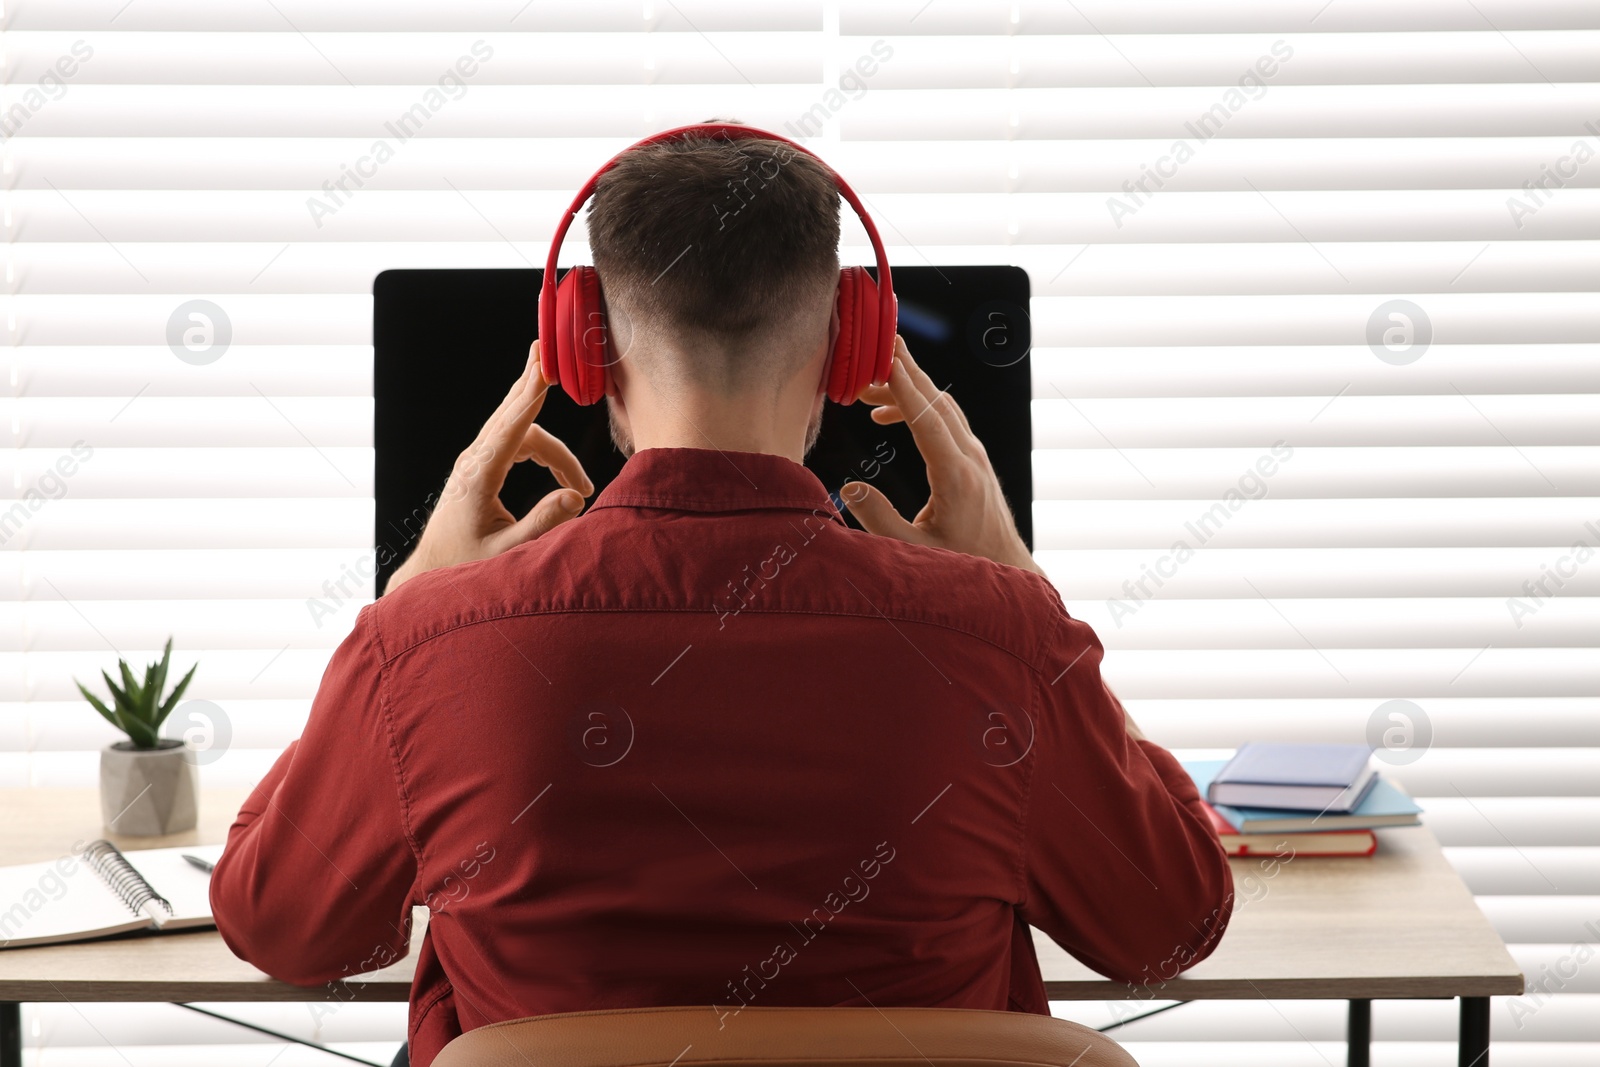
(1397, 924)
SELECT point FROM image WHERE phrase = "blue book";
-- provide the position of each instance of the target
(1384, 805)
(1299, 777)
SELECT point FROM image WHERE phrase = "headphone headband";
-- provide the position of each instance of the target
(732, 132)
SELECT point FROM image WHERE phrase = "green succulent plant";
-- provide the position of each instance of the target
(137, 709)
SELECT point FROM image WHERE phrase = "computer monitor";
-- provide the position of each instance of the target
(449, 343)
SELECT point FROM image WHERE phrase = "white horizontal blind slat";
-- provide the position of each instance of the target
(302, 163)
(652, 57)
(311, 16)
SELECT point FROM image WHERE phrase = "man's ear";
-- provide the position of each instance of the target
(613, 386)
(618, 330)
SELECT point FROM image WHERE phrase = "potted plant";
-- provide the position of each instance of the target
(148, 783)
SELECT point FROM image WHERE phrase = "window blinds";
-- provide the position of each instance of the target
(1280, 504)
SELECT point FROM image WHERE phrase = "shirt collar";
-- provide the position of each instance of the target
(703, 479)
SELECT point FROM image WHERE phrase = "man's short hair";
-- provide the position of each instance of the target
(726, 248)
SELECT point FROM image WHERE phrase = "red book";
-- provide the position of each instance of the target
(1321, 843)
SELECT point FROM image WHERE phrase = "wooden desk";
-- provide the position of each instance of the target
(1397, 925)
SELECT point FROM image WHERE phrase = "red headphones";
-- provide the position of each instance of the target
(572, 328)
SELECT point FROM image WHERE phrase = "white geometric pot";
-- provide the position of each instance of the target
(148, 792)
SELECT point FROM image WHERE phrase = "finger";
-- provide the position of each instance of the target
(940, 400)
(552, 453)
(928, 427)
(503, 435)
(877, 394)
(927, 391)
(880, 398)
(946, 404)
(536, 363)
(551, 511)
(531, 374)
(524, 401)
(876, 515)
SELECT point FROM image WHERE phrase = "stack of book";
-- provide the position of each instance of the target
(1307, 800)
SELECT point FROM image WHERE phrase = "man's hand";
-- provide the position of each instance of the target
(470, 522)
(966, 510)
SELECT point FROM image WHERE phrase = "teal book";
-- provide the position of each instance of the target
(1384, 805)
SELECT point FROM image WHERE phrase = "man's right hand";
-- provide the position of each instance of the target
(966, 510)
(469, 522)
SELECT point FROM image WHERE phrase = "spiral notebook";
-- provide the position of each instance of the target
(102, 890)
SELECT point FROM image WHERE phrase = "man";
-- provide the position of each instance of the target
(706, 744)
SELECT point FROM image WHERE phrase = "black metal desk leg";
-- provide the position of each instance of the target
(1473, 1048)
(1358, 1035)
(10, 1034)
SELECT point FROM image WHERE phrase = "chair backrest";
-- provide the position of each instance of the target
(785, 1037)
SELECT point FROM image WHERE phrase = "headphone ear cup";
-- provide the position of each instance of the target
(854, 357)
(581, 345)
(843, 343)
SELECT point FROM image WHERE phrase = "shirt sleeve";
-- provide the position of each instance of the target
(315, 882)
(1123, 869)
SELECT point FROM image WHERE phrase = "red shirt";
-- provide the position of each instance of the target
(705, 744)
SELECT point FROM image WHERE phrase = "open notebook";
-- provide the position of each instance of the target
(104, 891)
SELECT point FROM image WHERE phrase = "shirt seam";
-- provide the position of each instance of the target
(681, 504)
(386, 714)
(426, 1005)
(491, 619)
(1028, 784)
(1026, 813)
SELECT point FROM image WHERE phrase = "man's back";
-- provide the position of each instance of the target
(707, 745)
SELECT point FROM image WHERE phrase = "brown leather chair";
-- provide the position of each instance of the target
(785, 1037)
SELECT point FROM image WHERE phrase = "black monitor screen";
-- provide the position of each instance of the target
(449, 343)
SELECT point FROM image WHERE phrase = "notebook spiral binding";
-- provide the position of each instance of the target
(106, 860)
